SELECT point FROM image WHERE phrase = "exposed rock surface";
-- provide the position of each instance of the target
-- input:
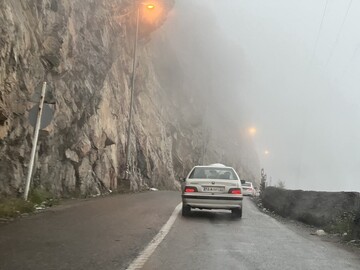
(83, 49)
(315, 208)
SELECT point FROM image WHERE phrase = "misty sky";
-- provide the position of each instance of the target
(301, 89)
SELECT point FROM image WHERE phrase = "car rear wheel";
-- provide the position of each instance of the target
(237, 212)
(186, 210)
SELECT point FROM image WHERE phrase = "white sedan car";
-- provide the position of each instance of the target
(248, 189)
(212, 187)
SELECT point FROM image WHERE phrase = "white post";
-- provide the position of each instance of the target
(34, 143)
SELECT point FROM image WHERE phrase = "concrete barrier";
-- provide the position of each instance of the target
(334, 211)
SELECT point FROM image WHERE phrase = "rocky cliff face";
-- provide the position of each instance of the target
(83, 49)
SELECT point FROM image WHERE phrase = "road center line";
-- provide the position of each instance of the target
(141, 259)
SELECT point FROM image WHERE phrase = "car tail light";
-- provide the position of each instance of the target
(235, 191)
(191, 189)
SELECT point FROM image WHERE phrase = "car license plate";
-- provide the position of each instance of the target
(214, 189)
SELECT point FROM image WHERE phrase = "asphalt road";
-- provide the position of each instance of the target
(108, 233)
(209, 240)
(103, 233)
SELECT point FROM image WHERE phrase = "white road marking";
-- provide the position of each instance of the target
(139, 262)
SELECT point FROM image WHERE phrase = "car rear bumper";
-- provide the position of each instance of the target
(247, 193)
(212, 202)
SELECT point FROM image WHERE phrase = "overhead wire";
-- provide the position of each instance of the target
(338, 34)
(352, 59)
(305, 122)
(320, 29)
(323, 17)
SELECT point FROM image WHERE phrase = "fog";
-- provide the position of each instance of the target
(290, 69)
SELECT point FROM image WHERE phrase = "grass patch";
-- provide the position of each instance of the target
(344, 224)
(13, 207)
(42, 197)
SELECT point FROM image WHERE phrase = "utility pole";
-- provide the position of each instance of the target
(34, 142)
(127, 157)
(127, 153)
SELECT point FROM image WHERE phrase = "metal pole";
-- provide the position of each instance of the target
(34, 143)
(127, 173)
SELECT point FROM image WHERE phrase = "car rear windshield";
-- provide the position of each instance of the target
(213, 173)
(246, 185)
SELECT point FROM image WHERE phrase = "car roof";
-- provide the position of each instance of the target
(215, 165)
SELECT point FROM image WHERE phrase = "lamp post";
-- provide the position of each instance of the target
(127, 153)
(252, 131)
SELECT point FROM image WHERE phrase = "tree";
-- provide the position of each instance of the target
(281, 184)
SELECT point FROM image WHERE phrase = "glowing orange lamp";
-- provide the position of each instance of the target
(150, 6)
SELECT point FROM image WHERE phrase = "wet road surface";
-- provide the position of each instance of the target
(102, 233)
(209, 240)
(109, 233)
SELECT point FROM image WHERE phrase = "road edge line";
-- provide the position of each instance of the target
(144, 255)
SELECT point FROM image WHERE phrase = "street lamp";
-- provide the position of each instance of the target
(150, 6)
(127, 154)
(252, 131)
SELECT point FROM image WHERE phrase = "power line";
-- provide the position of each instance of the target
(320, 28)
(339, 33)
(352, 59)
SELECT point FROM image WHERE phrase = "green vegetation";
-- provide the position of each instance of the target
(344, 225)
(14, 207)
(42, 197)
